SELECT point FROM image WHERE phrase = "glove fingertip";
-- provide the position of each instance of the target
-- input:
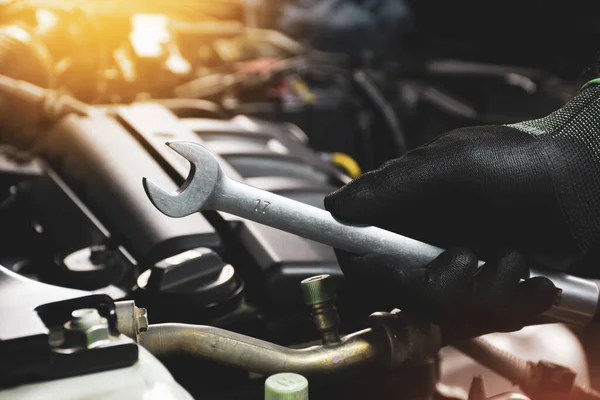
(449, 274)
(366, 264)
(349, 203)
(534, 296)
(516, 261)
(512, 256)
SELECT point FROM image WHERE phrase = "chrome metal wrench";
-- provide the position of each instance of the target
(208, 188)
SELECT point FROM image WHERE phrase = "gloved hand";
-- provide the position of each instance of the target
(533, 186)
(452, 291)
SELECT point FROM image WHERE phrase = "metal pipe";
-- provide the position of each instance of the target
(262, 357)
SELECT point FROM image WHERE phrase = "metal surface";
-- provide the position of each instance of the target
(131, 320)
(141, 317)
(208, 188)
(319, 293)
(318, 289)
(578, 300)
(403, 340)
(258, 356)
(86, 329)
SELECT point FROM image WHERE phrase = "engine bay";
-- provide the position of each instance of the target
(294, 98)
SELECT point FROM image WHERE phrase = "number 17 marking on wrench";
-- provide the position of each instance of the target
(261, 206)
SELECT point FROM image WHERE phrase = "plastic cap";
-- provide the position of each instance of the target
(286, 386)
(318, 289)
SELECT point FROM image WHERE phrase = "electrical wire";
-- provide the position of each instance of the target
(515, 369)
(359, 80)
(383, 107)
(366, 88)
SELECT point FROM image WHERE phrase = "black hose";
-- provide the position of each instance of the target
(383, 107)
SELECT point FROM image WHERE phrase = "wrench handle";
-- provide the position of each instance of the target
(316, 224)
(576, 304)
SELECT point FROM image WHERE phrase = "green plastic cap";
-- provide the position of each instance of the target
(286, 386)
(318, 289)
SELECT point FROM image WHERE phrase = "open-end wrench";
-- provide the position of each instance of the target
(208, 188)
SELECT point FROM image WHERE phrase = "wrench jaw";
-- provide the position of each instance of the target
(166, 202)
(196, 190)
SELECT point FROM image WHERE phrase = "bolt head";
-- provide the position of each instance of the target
(86, 329)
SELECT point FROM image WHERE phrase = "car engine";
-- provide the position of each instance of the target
(102, 296)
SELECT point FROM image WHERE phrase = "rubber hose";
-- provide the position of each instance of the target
(515, 369)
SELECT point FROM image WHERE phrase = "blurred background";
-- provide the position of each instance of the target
(424, 66)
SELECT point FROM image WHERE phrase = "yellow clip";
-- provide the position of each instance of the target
(301, 88)
(347, 163)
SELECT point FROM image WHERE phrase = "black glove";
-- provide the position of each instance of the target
(452, 291)
(532, 186)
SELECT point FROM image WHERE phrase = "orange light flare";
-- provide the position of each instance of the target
(149, 34)
(150, 37)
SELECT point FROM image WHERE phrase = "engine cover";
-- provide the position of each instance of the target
(104, 156)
